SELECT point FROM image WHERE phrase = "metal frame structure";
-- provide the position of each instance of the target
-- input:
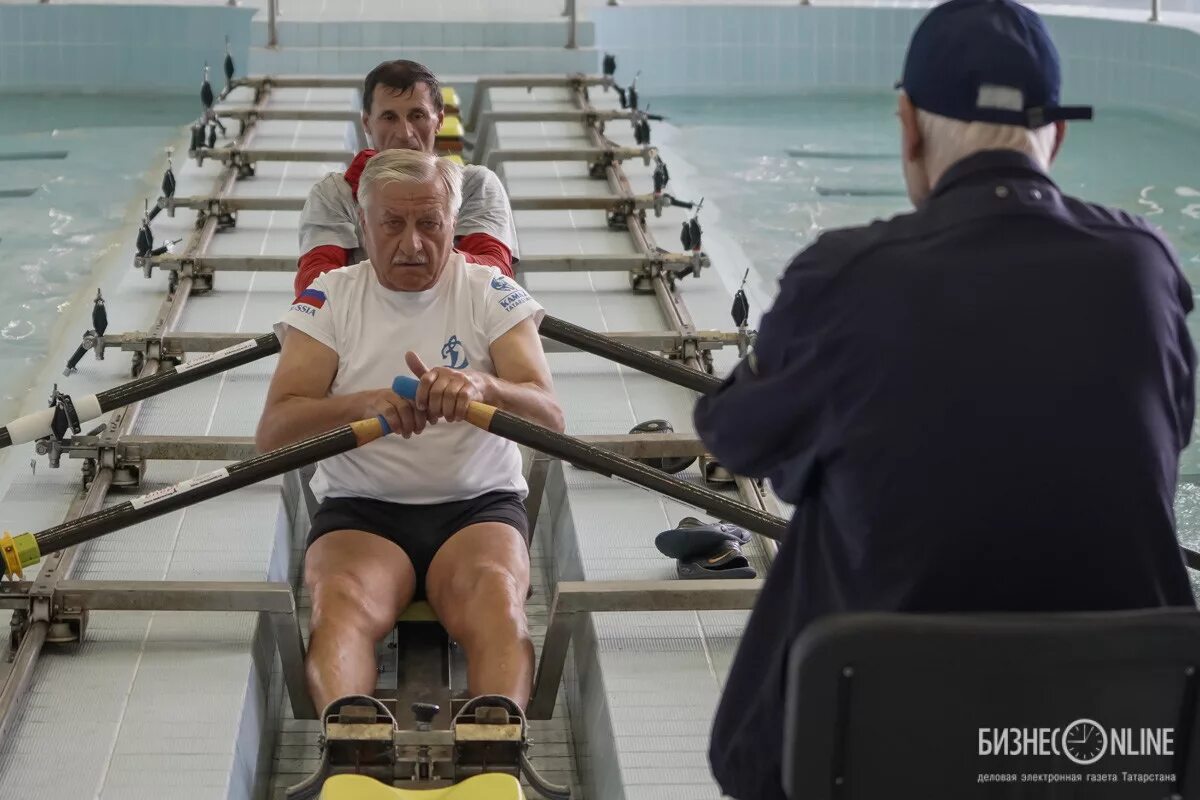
(173, 347)
(54, 608)
(264, 83)
(130, 452)
(598, 158)
(573, 599)
(589, 117)
(570, 82)
(202, 268)
(615, 205)
(670, 301)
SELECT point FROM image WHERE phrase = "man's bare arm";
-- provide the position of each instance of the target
(298, 404)
(522, 385)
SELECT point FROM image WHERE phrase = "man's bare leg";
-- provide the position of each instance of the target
(359, 584)
(477, 584)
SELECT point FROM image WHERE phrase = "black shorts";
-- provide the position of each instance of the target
(418, 530)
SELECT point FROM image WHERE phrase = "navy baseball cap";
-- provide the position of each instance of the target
(986, 61)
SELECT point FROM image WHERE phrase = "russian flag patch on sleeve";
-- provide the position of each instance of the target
(310, 297)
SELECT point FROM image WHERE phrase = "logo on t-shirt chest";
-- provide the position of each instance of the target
(454, 353)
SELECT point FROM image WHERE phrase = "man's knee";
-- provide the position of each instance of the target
(487, 596)
(343, 601)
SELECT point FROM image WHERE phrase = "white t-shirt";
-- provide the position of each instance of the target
(452, 324)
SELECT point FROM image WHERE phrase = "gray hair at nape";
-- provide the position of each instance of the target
(412, 166)
(948, 141)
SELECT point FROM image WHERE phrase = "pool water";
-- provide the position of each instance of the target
(54, 241)
(774, 204)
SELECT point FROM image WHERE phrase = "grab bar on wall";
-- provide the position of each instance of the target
(272, 31)
(572, 23)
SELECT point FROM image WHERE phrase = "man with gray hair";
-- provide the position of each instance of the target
(978, 406)
(435, 511)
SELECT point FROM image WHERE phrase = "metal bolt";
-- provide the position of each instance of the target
(1001, 191)
(1037, 194)
(847, 672)
(1189, 671)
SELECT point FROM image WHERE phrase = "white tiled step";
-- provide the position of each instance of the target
(444, 60)
(547, 33)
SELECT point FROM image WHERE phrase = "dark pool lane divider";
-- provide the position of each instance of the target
(35, 155)
(838, 155)
(858, 191)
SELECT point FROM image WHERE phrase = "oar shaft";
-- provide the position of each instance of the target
(1190, 557)
(189, 372)
(601, 345)
(38, 424)
(24, 550)
(580, 454)
(570, 449)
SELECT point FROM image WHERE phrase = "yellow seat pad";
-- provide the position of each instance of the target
(450, 100)
(452, 128)
(489, 786)
(419, 611)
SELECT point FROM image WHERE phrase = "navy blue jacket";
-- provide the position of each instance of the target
(978, 406)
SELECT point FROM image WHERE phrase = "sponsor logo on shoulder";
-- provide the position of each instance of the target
(501, 284)
(509, 302)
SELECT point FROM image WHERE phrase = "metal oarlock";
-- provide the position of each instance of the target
(204, 130)
(609, 66)
(641, 127)
(661, 176)
(168, 191)
(168, 181)
(90, 337)
(628, 95)
(62, 418)
(691, 237)
(206, 92)
(228, 69)
(741, 318)
(145, 236)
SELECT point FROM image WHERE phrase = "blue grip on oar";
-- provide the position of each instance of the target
(406, 386)
(383, 423)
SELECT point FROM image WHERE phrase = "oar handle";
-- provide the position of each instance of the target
(406, 386)
(478, 414)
